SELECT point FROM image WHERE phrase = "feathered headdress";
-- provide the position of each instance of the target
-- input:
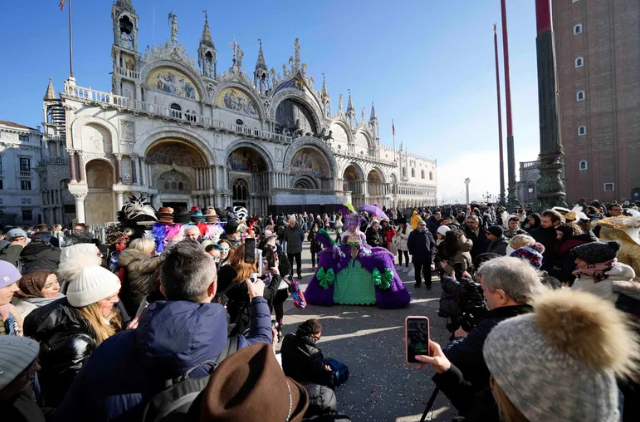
(629, 225)
(575, 214)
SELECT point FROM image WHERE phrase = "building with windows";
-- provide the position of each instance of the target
(186, 133)
(598, 57)
(527, 186)
(20, 152)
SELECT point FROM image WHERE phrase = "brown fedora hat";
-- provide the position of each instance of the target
(249, 386)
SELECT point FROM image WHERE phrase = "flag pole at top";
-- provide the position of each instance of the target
(62, 3)
(393, 131)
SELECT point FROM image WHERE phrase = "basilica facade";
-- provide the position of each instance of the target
(183, 132)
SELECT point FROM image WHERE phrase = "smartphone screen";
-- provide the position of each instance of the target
(250, 250)
(417, 335)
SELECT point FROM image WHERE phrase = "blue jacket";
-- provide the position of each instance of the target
(171, 338)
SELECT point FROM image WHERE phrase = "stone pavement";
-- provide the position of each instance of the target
(382, 387)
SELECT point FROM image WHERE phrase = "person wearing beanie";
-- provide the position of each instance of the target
(533, 254)
(497, 242)
(17, 241)
(513, 227)
(572, 346)
(37, 289)
(440, 233)
(86, 253)
(302, 360)
(177, 336)
(18, 368)
(10, 320)
(71, 328)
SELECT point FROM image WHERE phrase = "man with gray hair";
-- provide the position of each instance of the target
(182, 336)
(508, 284)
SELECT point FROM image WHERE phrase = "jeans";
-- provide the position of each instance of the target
(423, 269)
(298, 258)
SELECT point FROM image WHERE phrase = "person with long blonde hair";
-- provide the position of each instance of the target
(69, 329)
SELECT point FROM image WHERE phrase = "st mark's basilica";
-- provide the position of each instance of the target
(185, 133)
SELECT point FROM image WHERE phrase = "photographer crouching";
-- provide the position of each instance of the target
(508, 285)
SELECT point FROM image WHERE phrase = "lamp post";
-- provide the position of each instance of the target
(466, 182)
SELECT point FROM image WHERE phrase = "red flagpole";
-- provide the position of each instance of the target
(495, 43)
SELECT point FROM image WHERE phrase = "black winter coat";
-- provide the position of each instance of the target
(548, 238)
(304, 362)
(66, 341)
(499, 246)
(421, 246)
(315, 246)
(432, 224)
(374, 237)
(480, 241)
(40, 256)
(466, 353)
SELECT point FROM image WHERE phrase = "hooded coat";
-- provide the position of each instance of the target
(137, 282)
(172, 337)
(39, 255)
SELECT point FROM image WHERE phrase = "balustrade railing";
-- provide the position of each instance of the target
(25, 174)
(54, 138)
(189, 117)
(127, 73)
(53, 161)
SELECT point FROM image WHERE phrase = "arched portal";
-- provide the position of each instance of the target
(352, 181)
(294, 117)
(178, 169)
(248, 175)
(99, 203)
(375, 187)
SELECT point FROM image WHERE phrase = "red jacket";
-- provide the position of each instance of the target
(388, 234)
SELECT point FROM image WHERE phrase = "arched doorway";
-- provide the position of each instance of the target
(99, 203)
(310, 169)
(375, 187)
(249, 179)
(352, 181)
(294, 118)
(178, 170)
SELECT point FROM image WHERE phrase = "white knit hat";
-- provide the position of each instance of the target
(442, 230)
(80, 252)
(16, 354)
(92, 285)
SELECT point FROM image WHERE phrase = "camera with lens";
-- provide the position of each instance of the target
(463, 302)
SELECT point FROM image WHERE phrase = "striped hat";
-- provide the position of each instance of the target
(16, 354)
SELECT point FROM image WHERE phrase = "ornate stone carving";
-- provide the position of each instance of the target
(126, 130)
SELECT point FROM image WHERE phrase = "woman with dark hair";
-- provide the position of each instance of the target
(315, 246)
(454, 255)
(533, 222)
(569, 235)
(37, 288)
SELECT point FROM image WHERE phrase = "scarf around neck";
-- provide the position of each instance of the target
(597, 271)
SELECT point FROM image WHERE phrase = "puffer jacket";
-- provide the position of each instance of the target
(139, 268)
(66, 341)
(304, 362)
(41, 256)
(172, 337)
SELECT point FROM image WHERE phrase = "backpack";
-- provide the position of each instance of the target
(173, 402)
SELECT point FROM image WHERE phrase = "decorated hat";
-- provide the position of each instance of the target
(597, 252)
(530, 254)
(211, 216)
(165, 215)
(196, 216)
(194, 209)
(621, 227)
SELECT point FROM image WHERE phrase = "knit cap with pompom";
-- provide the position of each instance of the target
(597, 252)
(560, 362)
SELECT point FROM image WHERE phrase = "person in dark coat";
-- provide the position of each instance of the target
(71, 328)
(433, 222)
(477, 235)
(172, 337)
(498, 243)
(315, 246)
(294, 236)
(546, 234)
(423, 251)
(302, 360)
(374, 235)
(42, 253)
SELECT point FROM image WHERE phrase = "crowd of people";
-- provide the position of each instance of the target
(96, 332)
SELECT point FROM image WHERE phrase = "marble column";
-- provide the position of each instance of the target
(119, 201)
(143, 170)
(72, 166)
(135, 169)
(118, 169)
(79, 198)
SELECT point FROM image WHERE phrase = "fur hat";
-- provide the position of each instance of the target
(597, 252)
(91, 285)
(249, 386)
(583, 340)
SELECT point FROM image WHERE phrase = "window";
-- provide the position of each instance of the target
(430, 175)
(530, 189)
(413, 172)
(1, 184)
(27, 215)
(580, 96)
(577, 29)
(23, 138)
(582, 130)
(579, 62)
(582, 165)
(608, 187)
(25, 184)
(176, 110)
(423, 174)
(25, 164)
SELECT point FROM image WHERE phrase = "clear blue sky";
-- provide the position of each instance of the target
(427, 64)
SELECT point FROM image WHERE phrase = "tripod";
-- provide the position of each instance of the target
(432, 399)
